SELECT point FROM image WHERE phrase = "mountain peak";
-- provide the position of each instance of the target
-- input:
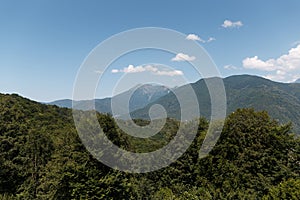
(152, 88)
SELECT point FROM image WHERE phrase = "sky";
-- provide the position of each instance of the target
(44, 43)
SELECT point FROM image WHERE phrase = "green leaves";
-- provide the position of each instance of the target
(42, 157)
(289, 189)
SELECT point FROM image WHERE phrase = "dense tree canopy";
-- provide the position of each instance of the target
(42, 157)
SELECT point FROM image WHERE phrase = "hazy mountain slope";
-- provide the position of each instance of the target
(64, 103)
(138, 97)
(102, 105)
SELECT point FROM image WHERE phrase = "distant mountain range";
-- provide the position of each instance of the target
(137, 97)
(280, 100)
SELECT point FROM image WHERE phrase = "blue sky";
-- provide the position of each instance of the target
(43, 43)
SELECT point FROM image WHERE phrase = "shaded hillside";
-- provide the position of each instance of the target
(280, 100)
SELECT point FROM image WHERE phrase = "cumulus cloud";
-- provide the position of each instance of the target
(183, 57)
(148, 68)
(211, 39)
(286, 62)
(231, 24)
(256, 63)
(195, 37)
(133, 69)
(275, 77)
(285, 67)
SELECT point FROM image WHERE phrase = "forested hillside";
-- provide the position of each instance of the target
(42, 157)
(281, 100)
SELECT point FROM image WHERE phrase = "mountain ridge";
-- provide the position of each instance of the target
(138, 96)
(280, 100)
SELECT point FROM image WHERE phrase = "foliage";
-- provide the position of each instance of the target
(289, 189)
(42, 157)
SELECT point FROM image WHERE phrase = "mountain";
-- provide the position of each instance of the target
(297, 81)
(63, 103)
(280, 100)
(42, 157)
(137, 97)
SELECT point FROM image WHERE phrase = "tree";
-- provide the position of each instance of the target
(289, 189)
(253, 152)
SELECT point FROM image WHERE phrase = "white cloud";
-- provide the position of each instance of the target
(280, 72)
(148, 68)
(286, 77)
(183, 57)
(114, 71)
(132, 69)
(194, 37)
(256, 63)
(286, 62)
(275, 77)
(231, 24)
(230, 67)
(283, 68)
(211, 39)
(296, 43)
(170, 73)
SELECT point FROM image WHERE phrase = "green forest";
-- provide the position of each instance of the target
(42, 157)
